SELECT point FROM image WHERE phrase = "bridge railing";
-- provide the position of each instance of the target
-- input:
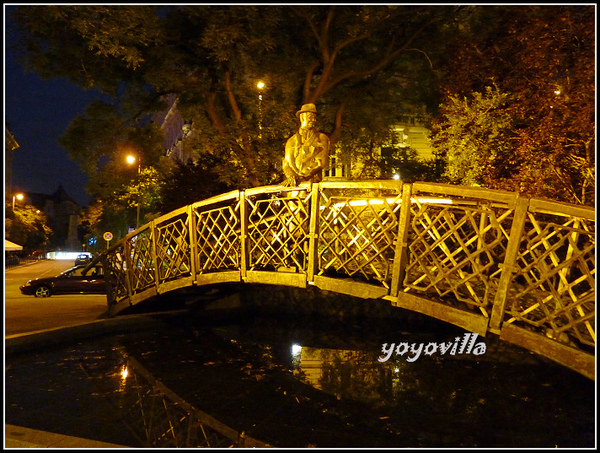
(485, 260)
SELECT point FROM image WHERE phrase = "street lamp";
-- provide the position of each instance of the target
(260, 85)
(131, 160)
(17, 196)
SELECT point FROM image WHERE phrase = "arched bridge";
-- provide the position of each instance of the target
(484, 260)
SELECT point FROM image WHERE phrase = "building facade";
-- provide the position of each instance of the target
(410, 133)
(10, 144)
(175, 130)
(62, 214)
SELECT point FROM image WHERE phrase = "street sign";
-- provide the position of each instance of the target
(108, 236)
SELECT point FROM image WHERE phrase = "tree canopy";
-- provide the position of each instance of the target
(27, 226)
(518, 87)
(361, 65)
(520, 106)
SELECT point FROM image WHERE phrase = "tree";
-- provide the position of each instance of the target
(476, 139)
(28, 227)
(359, 57)
(176, 191)
(542, 61)
(359, 63)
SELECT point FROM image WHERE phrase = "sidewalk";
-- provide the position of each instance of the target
(20, 437)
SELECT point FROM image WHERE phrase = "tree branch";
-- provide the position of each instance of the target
(324, 35)
(311, 24)
(245, 146)
(306, 97)
(424, 53)
(387, 59)
(211, 109)
(337, 130)
(231, 97)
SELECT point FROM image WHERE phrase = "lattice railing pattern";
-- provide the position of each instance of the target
(357, 235)
(218, 238)
(483, 253)
(278, 231)
(554, 280)
(457, 250)
(141, 262)
(173, 248)
(115, 270)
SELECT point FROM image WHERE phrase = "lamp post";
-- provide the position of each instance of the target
(17, 196)
(131, 160)
(260, 85)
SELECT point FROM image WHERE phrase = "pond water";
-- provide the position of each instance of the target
(301, 381)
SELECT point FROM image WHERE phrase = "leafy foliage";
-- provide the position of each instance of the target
(345, 58)
(518, 81)
(541, 59)
(176, 190)
(28, 227)
(476, 138)
(92, 46)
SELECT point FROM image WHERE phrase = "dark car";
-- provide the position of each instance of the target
(71, 281)
(82, 258)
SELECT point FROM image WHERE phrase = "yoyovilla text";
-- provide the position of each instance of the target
(413, 351)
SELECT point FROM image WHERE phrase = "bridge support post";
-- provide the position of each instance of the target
(243, 235)
(401, 252)
(154, 255)
(313, 233)
(512, 250)
(129, 267)
(192, 234)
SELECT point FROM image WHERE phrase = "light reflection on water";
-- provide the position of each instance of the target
(300, 383)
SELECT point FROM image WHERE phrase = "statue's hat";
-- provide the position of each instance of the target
(307, 108)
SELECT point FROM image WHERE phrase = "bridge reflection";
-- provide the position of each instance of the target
(484, 260)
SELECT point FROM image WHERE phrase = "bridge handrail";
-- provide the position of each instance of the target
(486, 260)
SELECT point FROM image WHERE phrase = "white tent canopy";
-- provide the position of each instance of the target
(11, 246)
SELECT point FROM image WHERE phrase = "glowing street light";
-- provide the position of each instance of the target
(17, 196)
(260, 85)
(131, 159)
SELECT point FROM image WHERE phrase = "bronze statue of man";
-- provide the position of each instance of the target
(307, 151)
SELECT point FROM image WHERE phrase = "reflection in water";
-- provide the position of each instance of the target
(454, 400)
(158, 417)
(347, 374)
(295, 383)
(367, 376)
(124, 374)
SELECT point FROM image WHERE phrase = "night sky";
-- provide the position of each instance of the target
(38, 112)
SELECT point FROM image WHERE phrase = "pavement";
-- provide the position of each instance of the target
(21, 437)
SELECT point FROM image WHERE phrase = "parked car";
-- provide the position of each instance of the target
(71, 281)
(83, 258)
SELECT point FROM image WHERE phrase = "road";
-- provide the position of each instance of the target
(23, 314)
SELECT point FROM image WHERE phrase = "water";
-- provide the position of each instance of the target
(298, 382)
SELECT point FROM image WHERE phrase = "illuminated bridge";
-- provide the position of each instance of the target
(484, 260)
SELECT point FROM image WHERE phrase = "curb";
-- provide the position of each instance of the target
(32, 341)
